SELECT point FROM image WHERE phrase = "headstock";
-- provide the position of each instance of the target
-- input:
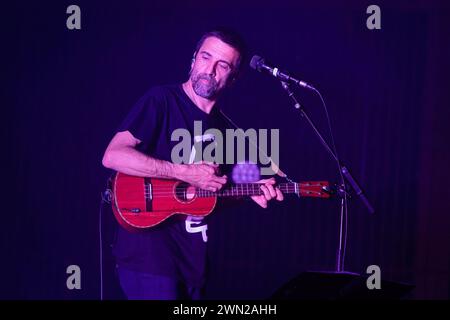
(317, 189)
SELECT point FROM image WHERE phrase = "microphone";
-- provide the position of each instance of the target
(259, 64)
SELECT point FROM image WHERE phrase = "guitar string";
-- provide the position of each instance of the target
(251, 189)
(232, 190)
(236, 190)
(207, 193)
(211, 193)
(240, 190)
(160, 190)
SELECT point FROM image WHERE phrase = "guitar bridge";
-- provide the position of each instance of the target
(148, 194)
(148, 191)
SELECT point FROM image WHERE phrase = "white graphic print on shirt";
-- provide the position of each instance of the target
(193, 220)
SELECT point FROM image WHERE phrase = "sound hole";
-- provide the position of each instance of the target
(184, 192)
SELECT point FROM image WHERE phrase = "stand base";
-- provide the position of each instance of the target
(338, 286)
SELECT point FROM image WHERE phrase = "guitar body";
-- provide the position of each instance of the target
(139, 203)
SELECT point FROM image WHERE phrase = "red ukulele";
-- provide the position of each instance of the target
(139, 203)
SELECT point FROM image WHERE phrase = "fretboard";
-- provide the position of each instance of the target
(246, 189)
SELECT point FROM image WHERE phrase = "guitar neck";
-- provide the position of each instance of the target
(246, 189)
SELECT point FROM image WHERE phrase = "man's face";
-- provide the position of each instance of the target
(214, 64)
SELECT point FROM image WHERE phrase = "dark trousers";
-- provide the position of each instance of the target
(145, 286)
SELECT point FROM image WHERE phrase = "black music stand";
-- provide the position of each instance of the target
(339, 286)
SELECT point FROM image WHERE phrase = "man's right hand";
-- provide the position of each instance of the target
(202, 175)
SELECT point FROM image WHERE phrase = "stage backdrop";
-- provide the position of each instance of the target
(387, 93)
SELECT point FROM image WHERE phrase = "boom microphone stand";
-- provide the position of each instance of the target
(345, 175)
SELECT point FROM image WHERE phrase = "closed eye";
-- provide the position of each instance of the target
(224, 66)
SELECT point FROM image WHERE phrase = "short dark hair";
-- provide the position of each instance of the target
(230, 37)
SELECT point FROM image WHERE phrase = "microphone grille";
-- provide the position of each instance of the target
(256, 62)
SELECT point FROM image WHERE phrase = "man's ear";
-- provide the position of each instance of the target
(231, 80)
(193, 59)
(236, 74)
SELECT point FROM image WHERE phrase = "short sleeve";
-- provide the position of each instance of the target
(145, 117)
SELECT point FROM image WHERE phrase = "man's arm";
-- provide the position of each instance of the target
(121, 155)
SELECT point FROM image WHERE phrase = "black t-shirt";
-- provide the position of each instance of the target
(176, 247)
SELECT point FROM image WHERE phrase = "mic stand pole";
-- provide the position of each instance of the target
(342, 192)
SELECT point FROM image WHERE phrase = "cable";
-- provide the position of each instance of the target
(105, 198)
(101, 244)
